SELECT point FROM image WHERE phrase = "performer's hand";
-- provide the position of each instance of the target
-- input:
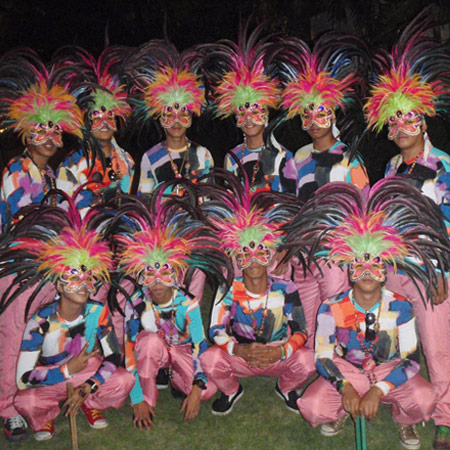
(79, 362)
(280, 269)
(441, 293)
(243, 351)
(262, 356)
(191, 404)
(143, 415)
(80, 394)
(350, 400)
(368, 407)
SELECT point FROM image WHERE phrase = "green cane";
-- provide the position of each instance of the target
(358, 432)
(360, 425)
(363, 434)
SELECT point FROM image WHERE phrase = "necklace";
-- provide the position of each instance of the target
(255, 167)
(185, 164)
(369, 364)
(412, 161)
(258, 331)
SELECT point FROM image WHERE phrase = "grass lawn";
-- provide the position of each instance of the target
(259, 420)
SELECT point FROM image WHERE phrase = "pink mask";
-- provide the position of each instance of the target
(254, 113)
(257, 253)
(158, 273)
(409, 123)
(373, 267)
(43, 132)
(74, 279)
(103, 117)
(319, 116)
(174, 114)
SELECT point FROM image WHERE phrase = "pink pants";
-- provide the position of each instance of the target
(434, 332)
(412, 402)
(12, 327)
(41, 405)
(315, 288)
(223, 370)
(152, 354)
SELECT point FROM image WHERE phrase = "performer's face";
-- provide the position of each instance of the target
(159, 293)
(46, 150)
(77, 279)
(251, 113)
(42, 133)
(318, 115)
(176, 114)
(255, 270)
(409, 123)
(367, 267)
(158, 273)
(251, 253)
(251, 129)
(316, 132)
(176, 131)
(79, 297)
(405, 141)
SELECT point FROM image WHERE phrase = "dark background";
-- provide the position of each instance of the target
(48, 25)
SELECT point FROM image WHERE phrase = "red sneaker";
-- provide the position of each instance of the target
(46, 432)
(94, 417)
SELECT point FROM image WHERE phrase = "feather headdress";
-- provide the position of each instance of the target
(167, 231)
(396, 223)
(49, 242)
(413, 77)
(31, 99)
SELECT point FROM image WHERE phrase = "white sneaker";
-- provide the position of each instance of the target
(409, 437)
(333, 428)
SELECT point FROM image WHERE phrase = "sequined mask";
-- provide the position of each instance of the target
(176, 114)
(253, 113)
(317, 115)
(44, 132)
(74, 279)
(258, 253)
(103, 117)
(373, 267)
(158, 273)
(409, 123)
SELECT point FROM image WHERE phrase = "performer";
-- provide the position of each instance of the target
(413, 83)
(159, 247)
(319, 82)
(243, 87)
(258, 328)
(366, 346)
(62, 341)
(40, 111)
(108, 169)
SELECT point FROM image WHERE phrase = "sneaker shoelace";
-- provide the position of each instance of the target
(96, 414)
(47, 427)
(412, 429)
(16, 422)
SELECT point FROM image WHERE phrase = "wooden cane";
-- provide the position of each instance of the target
(72, 421)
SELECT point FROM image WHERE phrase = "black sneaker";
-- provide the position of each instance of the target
(162, 379)
(224, 404)
(15, 428)
(290, 399)
(176, 393)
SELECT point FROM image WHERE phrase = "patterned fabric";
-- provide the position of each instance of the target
(156, 167)
(22, 184)
(49, 342)
(143, 315)
(240, 313)
(316, 169)
(397, 338)
(276, 172)
(75, 171)
(431, 176)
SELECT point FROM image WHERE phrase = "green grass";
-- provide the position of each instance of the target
(259, 420)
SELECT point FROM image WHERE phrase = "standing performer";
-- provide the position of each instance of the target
(258, 328)
(243, 87)
(108, 169)
(320, 82)
(366, 347)
(63, 340)
(413, 83)
(159, 247)
(40, 111)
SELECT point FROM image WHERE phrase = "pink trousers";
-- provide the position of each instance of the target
(411, 402)
(12, 327)
(315, 288)
(41, 405)
(434, 333)
(152, 354)
(223, 370)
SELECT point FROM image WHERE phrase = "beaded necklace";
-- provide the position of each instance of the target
(185, 164)
(258, 331)
(255, 167)
(412, 162)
